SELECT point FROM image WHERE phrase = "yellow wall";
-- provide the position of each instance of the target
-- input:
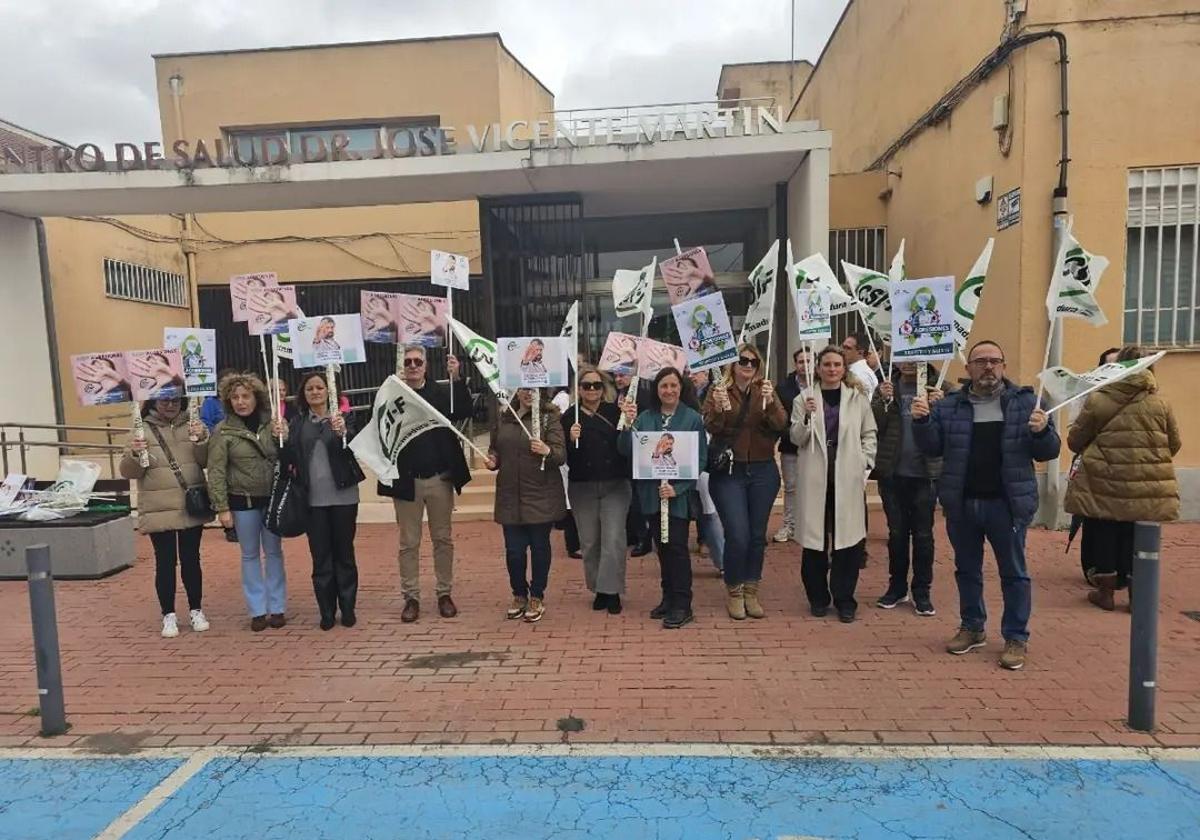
(1130, 106)
(780, 80)
(855, 202)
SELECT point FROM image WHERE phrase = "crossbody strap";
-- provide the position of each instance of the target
(170, 458)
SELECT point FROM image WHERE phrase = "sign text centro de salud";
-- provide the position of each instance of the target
(401, 142)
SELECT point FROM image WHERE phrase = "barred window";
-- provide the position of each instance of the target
(129, 281)
(1161, 229)
(866, 247)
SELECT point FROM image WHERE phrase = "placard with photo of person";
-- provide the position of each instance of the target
(666, 456)
(534, 362)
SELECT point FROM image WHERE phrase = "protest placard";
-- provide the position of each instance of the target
(533, 362)
(242, 285)
(198, 352)
(326, 340)
(687, 275)
(922, 319)
(666, 456)
(620, 354)
(653, 356)
(155, 374)
(271, 309)
(705, 332)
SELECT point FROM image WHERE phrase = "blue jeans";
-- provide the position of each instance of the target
(743, 498)
(264, 594)
(710, 532)
(990, 519)
(534, 539)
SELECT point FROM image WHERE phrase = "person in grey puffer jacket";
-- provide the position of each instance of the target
(988, 435)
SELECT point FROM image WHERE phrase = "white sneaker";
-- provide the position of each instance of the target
(170, 626)
(199, 622)
(784, 534)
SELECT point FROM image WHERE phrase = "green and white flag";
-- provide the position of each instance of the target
(1077, 273)
(871, 290)
(1065, 386)
(814, 272)
(762, 286)
(398, 416)
(966, 299)
(570, 329)
(897, 272)
(633, 290)
(482, 354)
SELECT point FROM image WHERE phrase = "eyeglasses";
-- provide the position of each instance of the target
(747, 361)
(986, 363)
(414, 363)
(591, 386)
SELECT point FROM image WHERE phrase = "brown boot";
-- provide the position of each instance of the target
(754, 607)
(1102, 595)
(735, 602)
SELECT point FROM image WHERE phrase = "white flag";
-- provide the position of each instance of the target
(815, 272)
(871, 290)
(897, 272)
(282, 342)
(632, 291)
(762, 286)
(966, 299)
(482, 354)
(1076, 277)
(570, 329)
(398, 417)
(1065, 386)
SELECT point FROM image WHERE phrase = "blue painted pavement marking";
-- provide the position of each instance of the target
(61, 798)
(672, 798)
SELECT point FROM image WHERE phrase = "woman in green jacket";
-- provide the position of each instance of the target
(668, 413)
(241, 465)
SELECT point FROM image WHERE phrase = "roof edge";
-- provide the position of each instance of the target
(817, 65)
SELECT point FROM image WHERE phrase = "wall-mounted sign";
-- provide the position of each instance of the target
(518, 135)
(1008, 209)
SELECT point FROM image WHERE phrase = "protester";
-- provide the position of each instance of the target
(637, 531)
(1124, 439)
(743, 413)
(317, 447)
(859, 357)
(789, 389)
(241, 465)
(834, 435)
(212, 411)
(905, 477)
(431, 472)
(178, 451)
(529, 497)
(598, 491)
(710, 536)
(666, 410)
(988, 435)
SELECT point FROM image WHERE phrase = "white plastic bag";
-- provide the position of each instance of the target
(81, 475)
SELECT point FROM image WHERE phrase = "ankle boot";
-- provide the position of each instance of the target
(735, 602)
(1102, 595)
(754, 607)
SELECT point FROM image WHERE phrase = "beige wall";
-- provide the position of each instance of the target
(780, 80)
(855, 200)
(1130, 106)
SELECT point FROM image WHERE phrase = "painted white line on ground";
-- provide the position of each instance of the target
(119, 827)
(751, 751)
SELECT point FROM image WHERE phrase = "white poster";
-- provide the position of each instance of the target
(812, 313)
(923, 319)
(198, 350)
(451, 270)
(666, 456)
(705, 332)
(326, 340)
(534, 362)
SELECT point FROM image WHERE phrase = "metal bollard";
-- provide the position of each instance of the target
(45, 640)
(1143, 628)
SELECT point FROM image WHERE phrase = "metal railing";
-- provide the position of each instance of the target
(22, 444)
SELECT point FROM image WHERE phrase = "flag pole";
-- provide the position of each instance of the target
(139, 432)
(449, 340)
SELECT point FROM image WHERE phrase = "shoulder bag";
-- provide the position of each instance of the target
(195, 498)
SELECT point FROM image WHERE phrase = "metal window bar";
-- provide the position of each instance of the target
(1163, 220)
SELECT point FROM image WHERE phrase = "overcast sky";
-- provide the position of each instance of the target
(81, 70)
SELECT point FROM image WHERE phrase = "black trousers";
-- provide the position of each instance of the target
(835, 581)
(182, 546)
(908, 505)
(570, 532)
(1107, 548)
(674, 562)
(335, 573)
(635, 523)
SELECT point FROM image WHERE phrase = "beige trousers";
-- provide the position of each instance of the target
(435, 496)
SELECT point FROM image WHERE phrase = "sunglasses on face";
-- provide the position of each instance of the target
(747, 361)
(591, 386)
(414, 363)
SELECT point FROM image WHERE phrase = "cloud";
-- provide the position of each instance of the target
(87, 72)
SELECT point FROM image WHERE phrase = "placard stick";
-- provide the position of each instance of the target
(449, 337)
(139, 431)
(275, 379)
(331, 381)
(941, 380)
(535, 419)
(664, 525)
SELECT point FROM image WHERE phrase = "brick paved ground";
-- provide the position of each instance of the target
(480, 679)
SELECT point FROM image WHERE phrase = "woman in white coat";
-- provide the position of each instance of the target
(834, 432)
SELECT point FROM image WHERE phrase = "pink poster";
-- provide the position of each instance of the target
(101, 378)
(688, 275)
(653, 356)
(422, 320)
(620, 354)
(241, 287)
(155, 374)
(270, 310)
(380, 314)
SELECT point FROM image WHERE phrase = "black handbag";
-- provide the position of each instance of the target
(720, 450)
(195, 498)
(287, 507)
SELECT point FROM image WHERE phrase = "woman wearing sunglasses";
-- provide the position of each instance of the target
(834, 432)
(743, 413)
(598, 486)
